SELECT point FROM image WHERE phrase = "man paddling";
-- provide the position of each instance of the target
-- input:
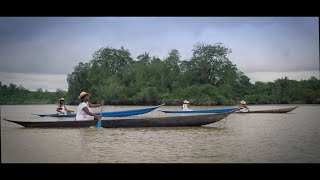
(242, 107)
(62, 109)
(84, 111)
(186, 106)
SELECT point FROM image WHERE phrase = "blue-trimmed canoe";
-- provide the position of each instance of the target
(107, 114)
(171, 121)
(202, 111)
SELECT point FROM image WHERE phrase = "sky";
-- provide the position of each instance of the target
(39, 52)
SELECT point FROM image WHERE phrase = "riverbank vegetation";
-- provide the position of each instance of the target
(207, 78)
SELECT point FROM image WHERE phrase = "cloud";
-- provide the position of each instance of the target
(50, 82)
(54, 45)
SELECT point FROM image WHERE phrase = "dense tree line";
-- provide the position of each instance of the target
(14, 94)
(207, 78)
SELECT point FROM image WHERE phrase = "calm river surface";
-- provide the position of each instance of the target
(240, 138)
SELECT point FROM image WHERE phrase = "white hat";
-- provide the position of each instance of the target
(186, 101)
(61, 99)
(82, 94)
(243, 102)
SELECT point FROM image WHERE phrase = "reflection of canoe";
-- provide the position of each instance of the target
(283, 110)
(173, 121)
(108, 114)
(202, 111)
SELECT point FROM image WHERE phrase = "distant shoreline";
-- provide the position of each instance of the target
(167, 104)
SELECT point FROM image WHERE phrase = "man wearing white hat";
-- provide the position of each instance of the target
(62, 109)
(186, 106)
(84, 111)
(242, 107)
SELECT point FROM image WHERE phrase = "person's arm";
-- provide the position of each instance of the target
(95, 105)
(67, 109)
(85, 109)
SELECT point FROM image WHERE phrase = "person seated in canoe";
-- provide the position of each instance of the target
(186, 106)
(84, 111)
(62, 109)
(242, 107)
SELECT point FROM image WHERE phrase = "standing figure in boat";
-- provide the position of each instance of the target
(186, 106)
(62, 109)
(84, 111)
(242, 107)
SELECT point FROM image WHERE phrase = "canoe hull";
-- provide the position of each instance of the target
(174, 121)
(283, 110)
(202, 111)
(124, 113)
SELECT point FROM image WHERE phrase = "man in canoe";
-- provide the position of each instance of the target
(62, 109)
(84, 111)
(186, 106)
(242, 107)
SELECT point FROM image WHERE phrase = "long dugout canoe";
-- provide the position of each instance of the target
(172, 121)
(282, 110)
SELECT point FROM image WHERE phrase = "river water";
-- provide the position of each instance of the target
(240, 138)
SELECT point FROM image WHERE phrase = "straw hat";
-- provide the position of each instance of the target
(82, 94)
(61, 99)
(186, 102)
(243, 102)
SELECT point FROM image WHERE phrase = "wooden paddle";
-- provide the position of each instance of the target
(99, 122)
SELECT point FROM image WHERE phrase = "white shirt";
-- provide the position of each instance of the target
(242, 109)
(186, 108)
(63, 109)
(81, 114)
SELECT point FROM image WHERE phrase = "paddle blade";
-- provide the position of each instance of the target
(99, 123)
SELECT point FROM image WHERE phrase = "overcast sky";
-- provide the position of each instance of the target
(39, 52)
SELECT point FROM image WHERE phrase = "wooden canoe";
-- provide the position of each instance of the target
(201, 111)
(282, 110)
(171, 121)
(108, 114)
